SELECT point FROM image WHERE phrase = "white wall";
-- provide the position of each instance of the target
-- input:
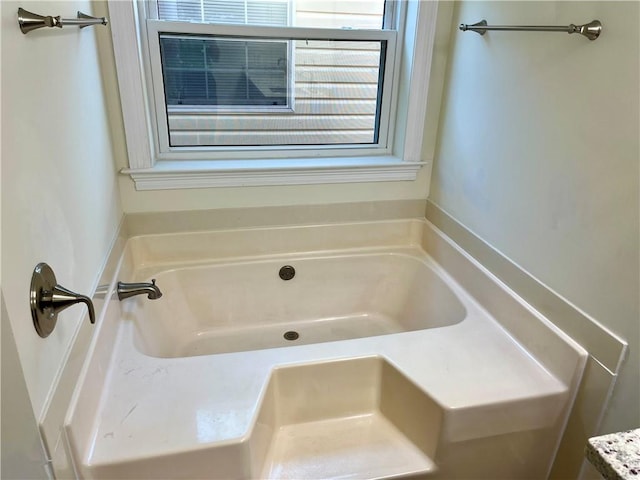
(22, 453)
(539, 155)
(60, 202)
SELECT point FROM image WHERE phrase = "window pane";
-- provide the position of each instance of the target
(358, 14)
(180, 10)
(339, 13)
(240, 12)
(224, 11)
(334, 99)
(219, 72)
(267, 13)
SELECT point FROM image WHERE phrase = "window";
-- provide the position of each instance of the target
(228, 85)
(270, 85)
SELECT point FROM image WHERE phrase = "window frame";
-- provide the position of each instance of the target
(166, 152)
(399, 159)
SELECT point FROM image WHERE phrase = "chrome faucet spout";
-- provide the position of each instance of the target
(126, 290)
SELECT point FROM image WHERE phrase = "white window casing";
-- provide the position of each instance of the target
(153, 164)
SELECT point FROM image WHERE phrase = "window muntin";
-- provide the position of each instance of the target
(339, 95)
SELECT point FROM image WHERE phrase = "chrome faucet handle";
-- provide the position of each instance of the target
(62, 298)
(47, 299)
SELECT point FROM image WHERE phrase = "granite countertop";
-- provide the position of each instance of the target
(616, 455)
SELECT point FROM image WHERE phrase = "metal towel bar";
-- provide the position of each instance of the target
(29, 21)
(591, 30)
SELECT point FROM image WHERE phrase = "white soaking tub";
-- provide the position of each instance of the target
(247, 306)
(410, 360)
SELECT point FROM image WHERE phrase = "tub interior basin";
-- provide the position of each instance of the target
(246, 306)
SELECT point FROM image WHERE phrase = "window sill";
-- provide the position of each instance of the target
(169, 175)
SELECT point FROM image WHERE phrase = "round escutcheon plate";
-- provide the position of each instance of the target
(43, 282)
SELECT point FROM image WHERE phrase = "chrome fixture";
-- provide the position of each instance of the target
(591, 30)
(47, 299)
(29, 21)
(126, 290)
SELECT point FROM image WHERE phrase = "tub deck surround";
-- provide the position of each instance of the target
(156, 407)
(475, 390)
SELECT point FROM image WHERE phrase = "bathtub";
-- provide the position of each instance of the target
(384, 352)
(247, 306)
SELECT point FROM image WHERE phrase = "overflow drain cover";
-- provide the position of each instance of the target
(291, 335)
(287, 272)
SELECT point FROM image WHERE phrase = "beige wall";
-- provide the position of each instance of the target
(59, 193)
(242, 197)
(538, 154)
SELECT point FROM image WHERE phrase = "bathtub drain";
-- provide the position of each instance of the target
(291, 335)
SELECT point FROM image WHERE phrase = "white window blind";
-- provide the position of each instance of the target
(223, 72)
(239, 12)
